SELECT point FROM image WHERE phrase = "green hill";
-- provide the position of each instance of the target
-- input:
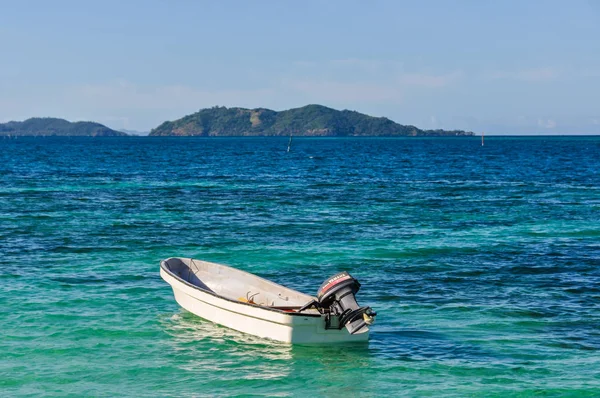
(57, 127)
(310, 120)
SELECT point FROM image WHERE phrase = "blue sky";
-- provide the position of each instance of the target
(503, 67)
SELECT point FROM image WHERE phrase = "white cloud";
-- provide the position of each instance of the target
(355, 64)
(590, 72)
(429, 80)
(122, 93)
(433, 121)
(338, 91)
(546, 123)
(525, 75)
(360, 81)
(533, 75)
(382, 76)
(341, 92)
(366, 65)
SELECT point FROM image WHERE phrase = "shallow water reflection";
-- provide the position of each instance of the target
(210, 350)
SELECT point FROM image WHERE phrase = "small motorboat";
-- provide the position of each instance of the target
(248, 303)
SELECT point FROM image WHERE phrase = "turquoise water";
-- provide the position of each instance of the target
(483, 263)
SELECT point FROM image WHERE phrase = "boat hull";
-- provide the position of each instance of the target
(257, 320)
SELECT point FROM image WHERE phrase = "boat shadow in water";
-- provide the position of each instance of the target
(211, 351)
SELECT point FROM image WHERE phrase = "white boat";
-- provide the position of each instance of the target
(248, 303)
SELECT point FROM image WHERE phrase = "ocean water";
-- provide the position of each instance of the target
(483, 263)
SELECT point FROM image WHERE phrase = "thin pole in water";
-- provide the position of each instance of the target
(289, 143)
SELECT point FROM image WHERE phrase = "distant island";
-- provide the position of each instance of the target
(48, 126)
(310, 120)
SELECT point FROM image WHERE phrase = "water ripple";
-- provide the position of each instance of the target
(482, 263)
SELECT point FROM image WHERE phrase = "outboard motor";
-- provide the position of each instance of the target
(337, 295)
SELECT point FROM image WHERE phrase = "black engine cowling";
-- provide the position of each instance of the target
(337, 295)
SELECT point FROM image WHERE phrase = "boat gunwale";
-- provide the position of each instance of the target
(163, 265)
